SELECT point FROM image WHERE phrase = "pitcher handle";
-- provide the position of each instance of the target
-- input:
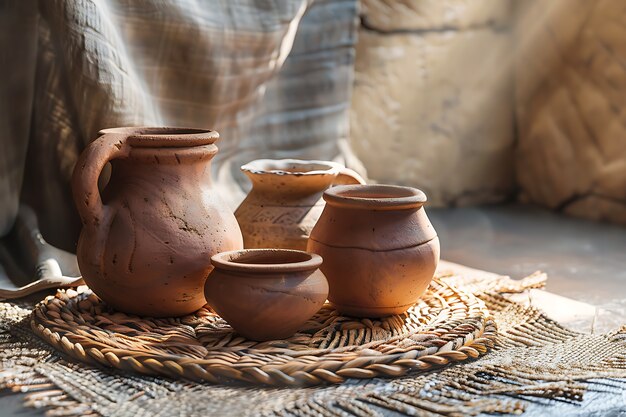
(347, 176)
(86, 172)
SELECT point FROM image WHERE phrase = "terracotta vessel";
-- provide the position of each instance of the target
(145, 246)
(286, 200)
(266, 294)
(380, 250)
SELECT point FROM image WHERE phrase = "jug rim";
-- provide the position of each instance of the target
(375, 197)
(290, 167)
(164, 136)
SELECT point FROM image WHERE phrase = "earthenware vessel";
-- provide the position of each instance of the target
(380, 250)
(146, 244)
(266, 294)
(286, 200)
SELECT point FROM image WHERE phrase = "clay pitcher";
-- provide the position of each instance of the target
(146, 244)
(286, 200)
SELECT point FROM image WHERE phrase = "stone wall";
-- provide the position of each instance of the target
(571, 106)
(432, 103)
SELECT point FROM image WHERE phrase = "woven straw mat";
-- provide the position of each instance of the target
(354, 367)
(447, 325)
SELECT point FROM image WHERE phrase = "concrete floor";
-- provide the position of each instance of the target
(584, 260)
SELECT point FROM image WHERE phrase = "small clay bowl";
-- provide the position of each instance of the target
(266, 294)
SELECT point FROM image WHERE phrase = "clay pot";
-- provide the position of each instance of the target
(146, 250)
(286, 200)
(380, 250)
(266, 294)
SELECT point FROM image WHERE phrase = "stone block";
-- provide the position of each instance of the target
(433, 109)
(571, 108)
(425, 15)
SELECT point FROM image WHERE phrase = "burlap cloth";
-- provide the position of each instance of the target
(535, 358)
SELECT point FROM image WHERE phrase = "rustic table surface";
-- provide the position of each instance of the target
(585, 262)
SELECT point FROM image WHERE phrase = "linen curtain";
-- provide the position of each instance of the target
(273, 77)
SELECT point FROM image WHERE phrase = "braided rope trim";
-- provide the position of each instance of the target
(77, 324)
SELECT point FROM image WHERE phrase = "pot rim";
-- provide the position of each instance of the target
(164, 136)
(375, 197)
(260, 166)
(293, 261)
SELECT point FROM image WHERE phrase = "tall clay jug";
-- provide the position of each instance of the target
(286, 200)
(146, 244)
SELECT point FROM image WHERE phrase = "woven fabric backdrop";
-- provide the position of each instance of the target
(273, 77)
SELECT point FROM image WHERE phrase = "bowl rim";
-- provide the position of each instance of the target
(308, 261)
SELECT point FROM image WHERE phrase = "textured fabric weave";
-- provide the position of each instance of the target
(273, 77)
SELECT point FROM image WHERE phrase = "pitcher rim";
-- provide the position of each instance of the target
(164, 136)
(258, 166)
